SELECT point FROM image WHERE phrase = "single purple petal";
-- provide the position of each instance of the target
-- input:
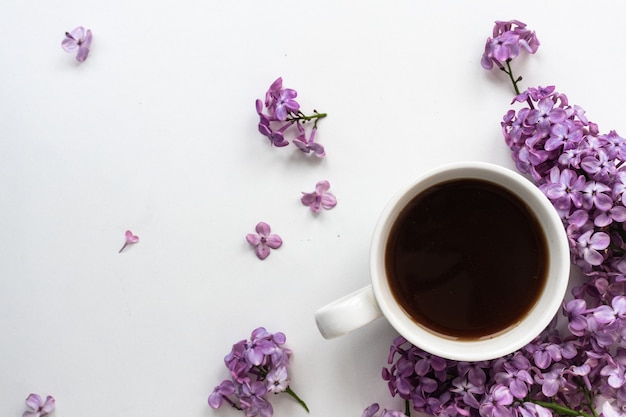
(371, 410)
(317, 149)
(34, 401)
(253, 239)
(48, 405)
(274, 241)
(262, 251)
(215, 399)
(88, 38)
(322, 186)
(328, 201)
(69, 44)
(78, 33)
(604, 314)
(263, 229)
(600, 241)
(82, 54)
(518, 388)
(308, 198)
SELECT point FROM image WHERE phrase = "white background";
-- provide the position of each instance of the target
(157, 133)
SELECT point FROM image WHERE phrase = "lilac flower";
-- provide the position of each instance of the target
(308, 145)
(258, 367)
(505, 45)
(551, 381)
(320, 198)
(497, 403)
(285, 104)
(276, 138)
(78, 40)
(277, 380)
(590, 244)
(130, 239)
(278, 114)
(38, 407)
(576, 311)
(610, 315)
(564, 188)
(280, 101)
(371, 411)
(220, 393)
(263, 241)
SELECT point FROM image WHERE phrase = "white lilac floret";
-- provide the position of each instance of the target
(258, 367)
(580, 371)
(279, 113)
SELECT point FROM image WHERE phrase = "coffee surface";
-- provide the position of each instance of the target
(466, 259)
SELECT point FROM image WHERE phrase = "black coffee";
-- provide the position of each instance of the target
(466, 259)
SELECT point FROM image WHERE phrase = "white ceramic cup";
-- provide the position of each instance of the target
(367, 304)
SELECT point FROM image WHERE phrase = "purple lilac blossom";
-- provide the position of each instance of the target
(78, 40)
(263, 241)
(507, 41)
(320, 198)
(37, 407)
(308, 145)
(257, 367)
(280, 112)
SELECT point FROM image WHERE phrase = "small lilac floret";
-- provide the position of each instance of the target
(263, 241)
(78, 40)
(308, 145)
(320, 198)
(37, 407)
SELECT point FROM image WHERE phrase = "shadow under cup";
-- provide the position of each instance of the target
(470, 262)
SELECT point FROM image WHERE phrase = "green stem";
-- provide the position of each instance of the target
(407, 408)
(589, 396)
(562, 409)
(302, 117)
(509, 71)
(298, 399)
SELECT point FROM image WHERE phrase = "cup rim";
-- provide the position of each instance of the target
(534, 322)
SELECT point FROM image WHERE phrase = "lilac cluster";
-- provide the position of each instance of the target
(258, 367)
(551, 376)
(509, 37)
(578, 371)
(280, 112)
(580, 170)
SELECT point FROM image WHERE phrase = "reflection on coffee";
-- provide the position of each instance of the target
(466, 258)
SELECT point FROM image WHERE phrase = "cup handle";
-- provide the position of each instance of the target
(348, 313)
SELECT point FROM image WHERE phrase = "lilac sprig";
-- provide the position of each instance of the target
(279, 113)
(509, 39)
(257, 367)
(580, 370)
